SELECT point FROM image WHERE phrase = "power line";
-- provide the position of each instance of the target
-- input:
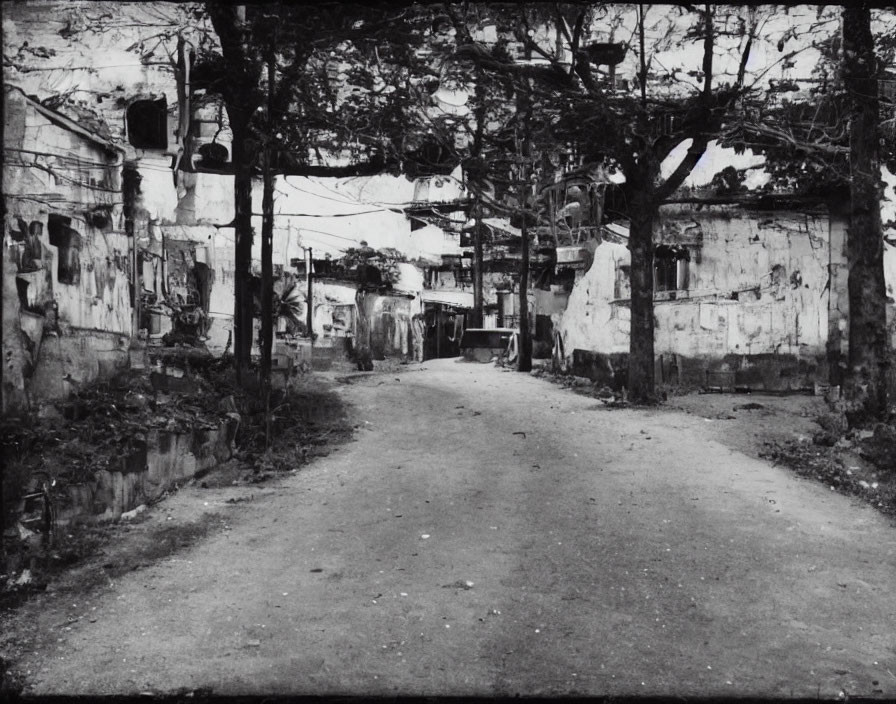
(347, 201)
(384, 204)
(336, 215)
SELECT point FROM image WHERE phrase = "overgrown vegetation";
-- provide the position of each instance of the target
(105, 426)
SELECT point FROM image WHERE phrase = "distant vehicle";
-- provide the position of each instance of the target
(484, 344)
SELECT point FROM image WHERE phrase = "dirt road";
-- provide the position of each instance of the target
(488, 533)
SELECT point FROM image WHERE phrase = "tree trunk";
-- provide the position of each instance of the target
(243, 303)
(243, 72)
(866, 378)
(641, 383)
(478, 312)
(309, 293)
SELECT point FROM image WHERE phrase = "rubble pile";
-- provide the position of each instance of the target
(857, 462)
(584, 386)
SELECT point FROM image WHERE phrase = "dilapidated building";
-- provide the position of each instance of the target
(748, 294)
(68, 265)
(129, 188)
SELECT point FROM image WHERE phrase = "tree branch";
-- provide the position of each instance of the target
(708, 46)
(745, 57)
(479, 56)
(683, 170)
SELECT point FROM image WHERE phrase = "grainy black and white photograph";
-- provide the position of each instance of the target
(448, 350)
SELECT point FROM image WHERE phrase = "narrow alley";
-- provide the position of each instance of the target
(488, 533)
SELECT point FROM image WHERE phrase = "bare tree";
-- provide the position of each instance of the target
(307, 92)
(576, 101)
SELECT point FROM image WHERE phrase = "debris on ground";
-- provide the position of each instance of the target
(584, 386)
(749, 407)
(835, 467)
(459, 584)
(803, 433)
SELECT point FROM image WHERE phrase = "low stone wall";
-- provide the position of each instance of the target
(758, 372)
(166, 459)
(609, 370)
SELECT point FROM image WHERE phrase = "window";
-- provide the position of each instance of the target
(670, 268)
(622, 286)
(887, 89)
(68, 243)
(147, 122)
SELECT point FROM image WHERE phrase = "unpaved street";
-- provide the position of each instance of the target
(489, 533)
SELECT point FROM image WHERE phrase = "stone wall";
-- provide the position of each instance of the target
(167, 459)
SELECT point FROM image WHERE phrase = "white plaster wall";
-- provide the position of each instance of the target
(333, 215)
(410, 278)
(591, 321)
(157, 192)
(890, 278)
(772, 313)
(328, 215)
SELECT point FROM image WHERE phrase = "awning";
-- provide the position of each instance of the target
(504, 225)
(460, 299)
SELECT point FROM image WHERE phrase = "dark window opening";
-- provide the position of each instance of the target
(68, 244)
(147, 122)
(22, 290)
(622, 286)
(323, 267)
(670, 268)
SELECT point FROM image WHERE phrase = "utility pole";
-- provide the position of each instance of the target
(478, 312)
(267, 237)
(523, 147)
(524, 362)
(309, 313)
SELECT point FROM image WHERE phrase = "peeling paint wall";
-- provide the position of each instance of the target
(592, 320)
(890, 277)
(90, 51)
(67, 314)
(757, 283)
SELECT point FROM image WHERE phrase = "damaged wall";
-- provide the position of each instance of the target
(749, 284)
(757, 284)
(67, 314)
(890, 277)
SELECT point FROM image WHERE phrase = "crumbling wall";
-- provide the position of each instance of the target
(758, 286)
(167, 459)
(384, 323)
(67, 312)
(594, 318)
(890, 277)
